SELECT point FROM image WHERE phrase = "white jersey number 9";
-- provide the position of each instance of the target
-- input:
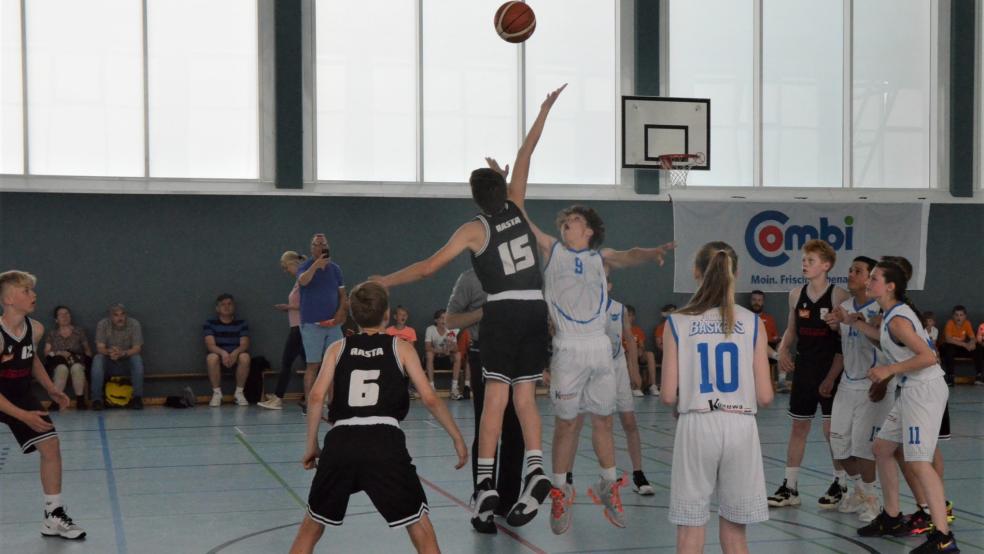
(362, 391)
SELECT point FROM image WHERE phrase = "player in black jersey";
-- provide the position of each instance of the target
(818, 364)
(19, 409)
(368, 374)
(513, 330)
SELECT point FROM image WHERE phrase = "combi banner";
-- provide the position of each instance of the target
(768, 238)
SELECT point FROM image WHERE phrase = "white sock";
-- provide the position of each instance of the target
(792, 474)
(484, 470)
(854, 480)
(52, 501)
(867, 489)
(534, 461)
(432, 385)
(840, 475)
(239, 390)
(609, 474)
(559, 480)
(217, 390)
(454, 384)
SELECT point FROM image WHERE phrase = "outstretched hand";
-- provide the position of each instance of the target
(494, 165)
(552, 97)
(661, 250)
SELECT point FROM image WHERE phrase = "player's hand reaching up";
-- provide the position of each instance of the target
(462, 451)
(310, 459)
(494, 165)
(552, 97)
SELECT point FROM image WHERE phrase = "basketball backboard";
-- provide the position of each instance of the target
(653, 126)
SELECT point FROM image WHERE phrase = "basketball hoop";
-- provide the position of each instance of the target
(678, 166)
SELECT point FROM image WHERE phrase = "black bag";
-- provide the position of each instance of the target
(253, 391)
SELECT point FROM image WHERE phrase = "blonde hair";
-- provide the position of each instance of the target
(821, 248)
(291, 257)
(15, 278)
(717, 264)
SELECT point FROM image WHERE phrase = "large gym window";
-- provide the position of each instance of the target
(11, 89)
(85, 95)
(202, 88)
(808, 93)
(423, 90)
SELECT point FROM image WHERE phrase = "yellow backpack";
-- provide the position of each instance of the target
(119, 392)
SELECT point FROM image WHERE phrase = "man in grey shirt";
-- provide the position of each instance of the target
(119, 341)
(465, 311)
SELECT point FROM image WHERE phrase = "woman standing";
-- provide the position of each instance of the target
(715, 357)
(67, 352)
(294, 347)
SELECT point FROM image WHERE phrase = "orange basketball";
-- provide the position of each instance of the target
(515, 21)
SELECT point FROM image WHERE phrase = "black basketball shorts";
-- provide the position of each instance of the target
(513, 338)
(26, 437)
(805, 394)
(370, 458)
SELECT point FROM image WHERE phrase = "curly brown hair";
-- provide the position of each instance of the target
(591, 217)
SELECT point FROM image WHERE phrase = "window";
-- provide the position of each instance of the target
(85, 93)
(202, 65)
(711, 55)
(575, 43)
(11, 89)
(470, 83)
(366, 90)
(892, 84)
(802, 93)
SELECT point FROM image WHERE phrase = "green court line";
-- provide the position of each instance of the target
(242, 440)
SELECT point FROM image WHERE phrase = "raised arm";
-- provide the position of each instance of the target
(619, 259)
(471, 236)
(544, 241)
(521, 168)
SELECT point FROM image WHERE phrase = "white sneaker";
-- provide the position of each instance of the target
(606, 493)
(653, 391)
(455, 395)
(57, 524)
(870, 508)
(273, 402)
(216, 400)
(241, 399)
(851, 503)
(637, 393)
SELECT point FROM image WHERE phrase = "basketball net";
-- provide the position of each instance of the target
(678, 166)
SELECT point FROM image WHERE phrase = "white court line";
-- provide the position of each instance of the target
(238, 430)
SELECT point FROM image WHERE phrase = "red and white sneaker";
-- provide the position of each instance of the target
(608, 496)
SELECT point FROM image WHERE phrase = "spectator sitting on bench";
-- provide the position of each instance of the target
(646, 357)
(400, 327)
(959, 340)
(929, 322)
(119, 342)
(227, 342)
(441, 349)
(67, 352)
(664, 312)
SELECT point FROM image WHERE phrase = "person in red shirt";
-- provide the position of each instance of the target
(645, 356)
(959, 340)
(658, 340)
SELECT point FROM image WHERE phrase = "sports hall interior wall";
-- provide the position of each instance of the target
(167, 257)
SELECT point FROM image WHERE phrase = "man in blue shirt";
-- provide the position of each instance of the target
(323, 305)
(227, 342)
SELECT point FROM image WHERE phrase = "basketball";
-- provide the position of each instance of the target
(515, 21)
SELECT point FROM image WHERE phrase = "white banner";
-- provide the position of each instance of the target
(768, 238)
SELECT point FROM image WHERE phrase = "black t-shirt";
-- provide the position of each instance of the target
(369, 379)
(816, 342)
(16, 361)
(510, 259)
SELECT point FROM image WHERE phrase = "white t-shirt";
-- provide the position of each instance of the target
(440, 343)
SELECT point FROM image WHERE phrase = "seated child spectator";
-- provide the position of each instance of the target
(119, 342)
(67, 352)
(400, 327)
(929, 319)
(441, 349)
(646, 357)
(227, 342)
(959, 340)
(664, 312)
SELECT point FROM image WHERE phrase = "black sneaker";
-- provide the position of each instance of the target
(641, 485)
(536, 487)
(570, 478)
(937, 542)
(97, 405)
(919, 522)
(885, 526)
(136, 403)
(53, 407)
(831, 499)
(484, 502)
(79, 402)
(784, 496)
(466, 393)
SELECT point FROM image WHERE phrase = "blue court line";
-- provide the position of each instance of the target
(114, 500)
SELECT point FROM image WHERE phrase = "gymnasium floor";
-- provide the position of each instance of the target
(228, 481)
